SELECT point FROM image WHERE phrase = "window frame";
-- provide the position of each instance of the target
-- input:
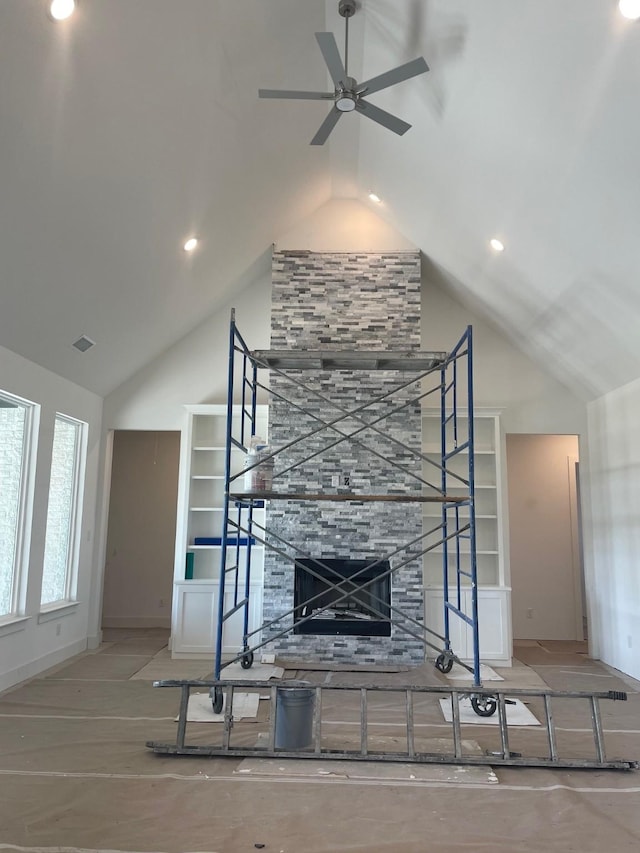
(76, 512)
(24, 519)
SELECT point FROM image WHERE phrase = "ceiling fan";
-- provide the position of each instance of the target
(349, 94)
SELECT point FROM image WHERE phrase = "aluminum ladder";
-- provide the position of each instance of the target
(497, 699)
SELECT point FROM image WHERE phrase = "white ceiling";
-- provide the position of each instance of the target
(137, 123)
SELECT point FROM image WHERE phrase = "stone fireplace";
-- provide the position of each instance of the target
(348, 302)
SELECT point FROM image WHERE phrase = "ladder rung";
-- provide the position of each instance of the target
(551, 731)
(502, 722)
(455, 715)
(317, 722)
(273, 702)
(411, 746)
(228, 719)
(363, 721)
(597, 728)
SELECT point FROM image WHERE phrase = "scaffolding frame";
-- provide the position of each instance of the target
(447, 371)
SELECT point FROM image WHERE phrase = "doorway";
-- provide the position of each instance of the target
(141, 529)
(545, 537)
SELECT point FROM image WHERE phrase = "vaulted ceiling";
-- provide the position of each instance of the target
(136, 123)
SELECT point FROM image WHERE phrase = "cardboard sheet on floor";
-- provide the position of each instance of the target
(517, 715)
(200, 708)
(258, 672)
(459, 673)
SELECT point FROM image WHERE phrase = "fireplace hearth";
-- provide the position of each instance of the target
(321, 608)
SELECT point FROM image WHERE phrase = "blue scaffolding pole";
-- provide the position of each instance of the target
(237, 515)
(457, 441)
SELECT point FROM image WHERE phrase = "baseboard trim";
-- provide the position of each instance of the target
(136, 622)
(94, 641)
(35, 667)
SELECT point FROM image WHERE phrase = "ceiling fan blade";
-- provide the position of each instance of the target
(396, 75)
(329, 48)
(326, 127)
(303, 96)
(384, 118)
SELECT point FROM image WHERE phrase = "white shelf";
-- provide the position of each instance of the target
(431, 450)
(479, 517)
(466, 553)
(207, 476)
(218, 547)
(488, 451)
(477, 486)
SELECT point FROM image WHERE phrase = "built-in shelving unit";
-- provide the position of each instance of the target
(494, 594)
(199, 535)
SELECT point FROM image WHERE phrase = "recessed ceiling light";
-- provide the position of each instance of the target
(496, 245)
(630, 9)
(190, 245)
(375, 198)
(59, 10)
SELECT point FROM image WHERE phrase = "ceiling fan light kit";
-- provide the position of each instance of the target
(348, 94)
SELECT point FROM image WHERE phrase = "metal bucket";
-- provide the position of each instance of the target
(294, 717)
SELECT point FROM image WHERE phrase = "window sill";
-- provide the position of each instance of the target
(12, 624)
(56, 610)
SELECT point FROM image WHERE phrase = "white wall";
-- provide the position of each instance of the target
(345, 225)
(38, 645)
(195, 369)
(612, 553)
(532, 400)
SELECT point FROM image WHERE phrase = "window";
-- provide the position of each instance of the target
(17, 451)
(59, 577)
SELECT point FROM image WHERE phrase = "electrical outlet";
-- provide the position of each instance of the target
(529, 612)
(161, 602)
(335, 480)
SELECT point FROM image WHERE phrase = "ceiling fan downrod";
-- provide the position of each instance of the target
(346, 8)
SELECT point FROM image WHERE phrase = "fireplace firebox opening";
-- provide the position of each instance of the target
(364, 612)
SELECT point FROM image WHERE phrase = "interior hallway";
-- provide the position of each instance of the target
(75, 773)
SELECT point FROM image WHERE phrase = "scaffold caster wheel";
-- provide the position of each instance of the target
(247, 660)
(484, 706)
(444, 663)
(217, 699)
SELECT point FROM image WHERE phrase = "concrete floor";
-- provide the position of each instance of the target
(75, 773)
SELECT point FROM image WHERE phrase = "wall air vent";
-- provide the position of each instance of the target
(84, 343)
